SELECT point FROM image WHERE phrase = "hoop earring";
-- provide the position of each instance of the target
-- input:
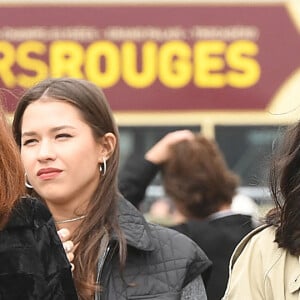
(27, 184)
(103, 169)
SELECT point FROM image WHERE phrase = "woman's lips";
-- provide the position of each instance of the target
(48, 173)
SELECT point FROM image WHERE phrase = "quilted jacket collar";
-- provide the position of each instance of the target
(134, 226)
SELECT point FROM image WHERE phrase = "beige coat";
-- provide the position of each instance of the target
(260, 270)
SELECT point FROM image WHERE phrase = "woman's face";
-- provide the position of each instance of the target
(60, 154)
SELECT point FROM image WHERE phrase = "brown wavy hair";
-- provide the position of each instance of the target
(102, 209)
(197, 178)
(12, 177)
(285, 190)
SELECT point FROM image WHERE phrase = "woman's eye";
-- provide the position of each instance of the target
(63, 135)
(29, 142)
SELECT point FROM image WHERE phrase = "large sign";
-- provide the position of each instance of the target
(159, 57)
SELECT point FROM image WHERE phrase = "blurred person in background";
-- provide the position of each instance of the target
(161, 211)
(245, 205)
(265, 264)
(33, 262)
(195, 176)
(69, 146)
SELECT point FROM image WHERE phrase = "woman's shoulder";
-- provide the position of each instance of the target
(260, 268)
(29, 211)
(32, 256)
(179, 251)
(261, 235)
(179, 243)
(260, 240)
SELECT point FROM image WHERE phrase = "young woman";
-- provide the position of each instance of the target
(70, 150)
(265, 265)
(33, 264)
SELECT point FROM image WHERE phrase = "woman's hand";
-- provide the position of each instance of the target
(68, 245)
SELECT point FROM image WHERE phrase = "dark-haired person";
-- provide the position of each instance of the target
(70, 150)
(265, 265)
(33, 263)
(201, 187)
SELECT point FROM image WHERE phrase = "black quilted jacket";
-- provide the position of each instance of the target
(160, 262)
(33, 265)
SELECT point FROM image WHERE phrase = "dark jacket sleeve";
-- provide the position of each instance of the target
(33, 263)
(57, 269)
(135, 177)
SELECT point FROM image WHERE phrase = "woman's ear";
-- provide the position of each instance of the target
(108, 145)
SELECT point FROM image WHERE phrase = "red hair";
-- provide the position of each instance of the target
(11, 171)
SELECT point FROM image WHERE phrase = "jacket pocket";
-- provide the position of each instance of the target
(169, 296)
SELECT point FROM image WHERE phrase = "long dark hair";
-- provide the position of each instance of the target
(285, 191)
(102, 210)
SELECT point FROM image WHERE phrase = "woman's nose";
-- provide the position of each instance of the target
(46, 151)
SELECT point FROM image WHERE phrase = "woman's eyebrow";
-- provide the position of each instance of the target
(54, 129)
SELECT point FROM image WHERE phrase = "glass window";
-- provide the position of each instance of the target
(248, 150)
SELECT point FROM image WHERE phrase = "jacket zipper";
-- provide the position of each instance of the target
(100, 268)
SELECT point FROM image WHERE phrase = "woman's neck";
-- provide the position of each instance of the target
(67, 216)
(71, 223)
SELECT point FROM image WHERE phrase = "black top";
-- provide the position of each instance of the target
(33, 264)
